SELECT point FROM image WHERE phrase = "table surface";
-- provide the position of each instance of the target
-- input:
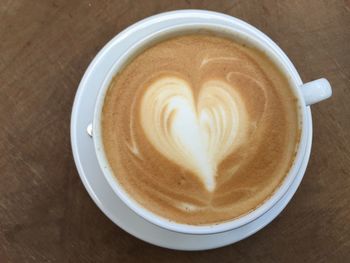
(45, 213)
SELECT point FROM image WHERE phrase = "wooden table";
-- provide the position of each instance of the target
(45, 213)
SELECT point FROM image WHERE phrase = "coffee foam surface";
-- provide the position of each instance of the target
(200, 129)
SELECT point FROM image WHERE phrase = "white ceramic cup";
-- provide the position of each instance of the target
(307, 94)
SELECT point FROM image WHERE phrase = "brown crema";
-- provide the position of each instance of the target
(200, 129)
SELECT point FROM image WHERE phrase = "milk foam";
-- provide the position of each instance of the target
(195, 136)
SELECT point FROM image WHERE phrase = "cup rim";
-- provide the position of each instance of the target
(242, 28)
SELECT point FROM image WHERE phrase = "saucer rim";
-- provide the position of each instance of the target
(83, 87)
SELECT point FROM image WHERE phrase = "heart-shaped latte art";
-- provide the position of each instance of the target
(196, 133)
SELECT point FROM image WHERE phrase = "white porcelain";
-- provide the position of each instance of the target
(102, 189)
(239, 29)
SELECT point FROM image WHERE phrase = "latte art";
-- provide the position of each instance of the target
(199, 129)
(196, 135)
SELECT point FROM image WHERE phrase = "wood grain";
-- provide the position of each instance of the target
(45, 213)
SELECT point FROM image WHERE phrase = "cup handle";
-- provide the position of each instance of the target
(89, 129)
(316, 91)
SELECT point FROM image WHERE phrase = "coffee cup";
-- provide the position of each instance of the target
(306, 94)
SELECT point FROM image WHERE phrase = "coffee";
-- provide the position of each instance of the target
(199, 128)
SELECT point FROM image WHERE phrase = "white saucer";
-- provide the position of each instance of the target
(96, 184)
